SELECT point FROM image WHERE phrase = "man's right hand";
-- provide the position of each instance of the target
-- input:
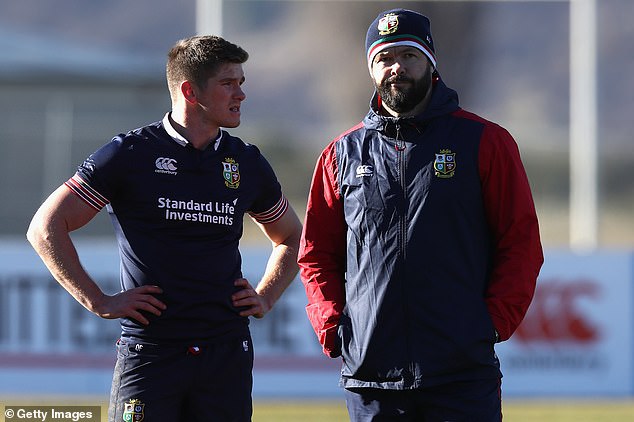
(130, 303)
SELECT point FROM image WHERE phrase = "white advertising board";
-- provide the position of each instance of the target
(577, 337)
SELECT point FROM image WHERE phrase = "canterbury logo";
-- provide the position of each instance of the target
(165, 165)
(365, 171)
(555, 314)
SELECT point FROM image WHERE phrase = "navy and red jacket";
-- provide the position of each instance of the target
(420, 247)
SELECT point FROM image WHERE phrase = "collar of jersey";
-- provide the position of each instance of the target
(180, 139)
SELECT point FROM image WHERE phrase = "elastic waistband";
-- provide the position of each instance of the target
(194, 347)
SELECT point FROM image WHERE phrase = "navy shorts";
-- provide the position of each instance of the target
(197, 382)
(473, 401)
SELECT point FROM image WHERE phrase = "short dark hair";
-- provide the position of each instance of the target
(198, 58)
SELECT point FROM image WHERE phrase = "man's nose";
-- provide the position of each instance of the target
(397, 68)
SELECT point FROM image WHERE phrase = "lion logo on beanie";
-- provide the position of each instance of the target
(388, 24)
(399, 27)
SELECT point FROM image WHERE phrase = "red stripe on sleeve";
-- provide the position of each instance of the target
(82, 189)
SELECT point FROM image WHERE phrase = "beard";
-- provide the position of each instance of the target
(404, 98)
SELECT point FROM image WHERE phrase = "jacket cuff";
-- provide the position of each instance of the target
(331, 342)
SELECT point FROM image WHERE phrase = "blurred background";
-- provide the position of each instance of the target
(71, 81)
(73, 74)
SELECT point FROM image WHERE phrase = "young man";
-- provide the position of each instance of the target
(421, 246)
(177, 191)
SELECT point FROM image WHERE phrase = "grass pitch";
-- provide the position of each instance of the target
(513, 411)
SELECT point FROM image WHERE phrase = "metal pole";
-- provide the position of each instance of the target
(209, 17)
(583, 126)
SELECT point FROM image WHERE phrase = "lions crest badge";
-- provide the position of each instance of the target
(231, 173)
(133, 411)
(388, 24)
(445, 164)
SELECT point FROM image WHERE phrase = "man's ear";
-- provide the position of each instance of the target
(189, 92)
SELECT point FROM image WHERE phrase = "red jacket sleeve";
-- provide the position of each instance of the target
(322, 253)
(510, 211)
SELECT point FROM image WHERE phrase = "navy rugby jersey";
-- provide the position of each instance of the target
(178, 218)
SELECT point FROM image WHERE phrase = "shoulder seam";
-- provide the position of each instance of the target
(347, 132)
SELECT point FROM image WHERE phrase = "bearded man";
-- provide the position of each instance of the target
(420, 249)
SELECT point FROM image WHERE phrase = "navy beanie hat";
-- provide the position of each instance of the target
(398, 27)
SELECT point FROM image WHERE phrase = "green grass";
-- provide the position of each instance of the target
(302, 411)
(514, 410)
(590, 410)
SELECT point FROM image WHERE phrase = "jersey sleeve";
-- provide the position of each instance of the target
(511, 216)
(270, 203)
(96, 178)
(322, 254)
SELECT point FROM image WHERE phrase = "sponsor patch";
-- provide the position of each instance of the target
(365, 171)
(166, 165)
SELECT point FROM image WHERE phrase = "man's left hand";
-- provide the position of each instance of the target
(248, 298)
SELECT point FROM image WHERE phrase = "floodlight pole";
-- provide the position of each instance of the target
(209, 17)
(583, 126)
